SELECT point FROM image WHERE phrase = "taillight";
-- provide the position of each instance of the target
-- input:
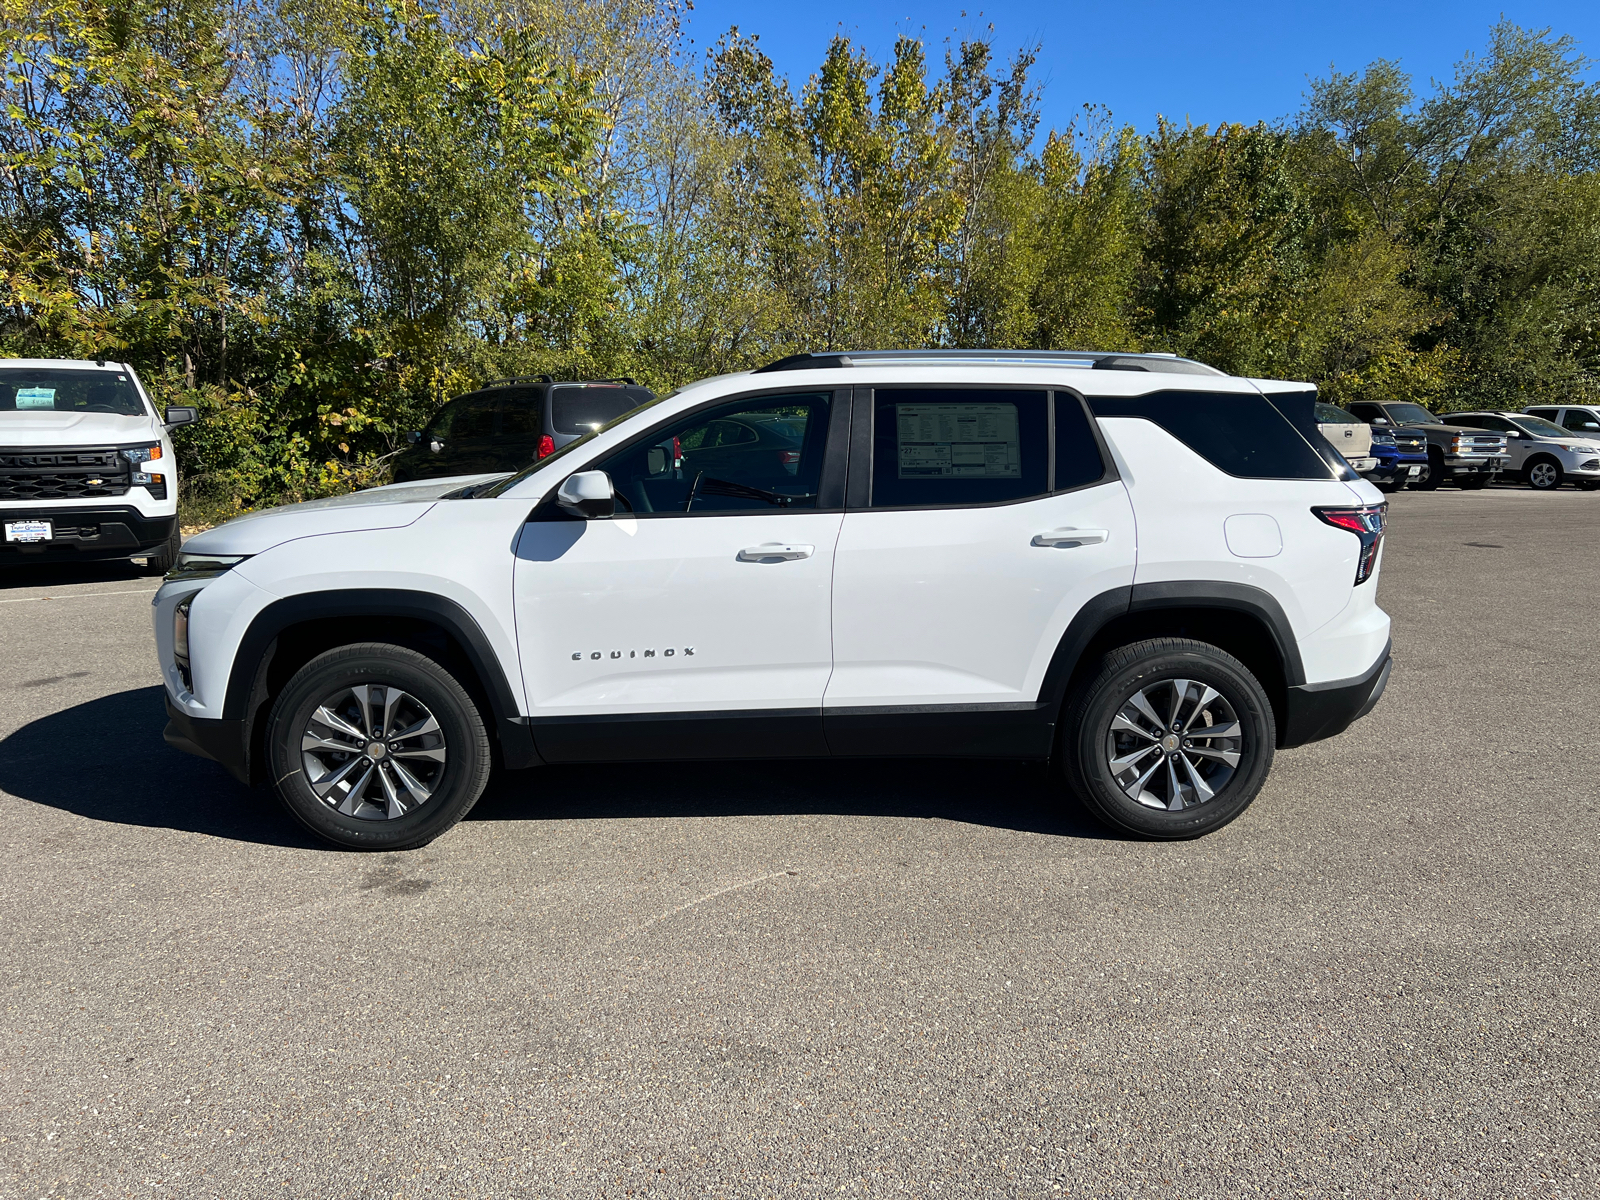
(1366, 523)
(677, 454)
(547, 446)
(789, 458)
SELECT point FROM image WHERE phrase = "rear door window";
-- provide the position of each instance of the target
(582, 408)
(948, 447)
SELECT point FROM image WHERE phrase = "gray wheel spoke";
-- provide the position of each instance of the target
(435, 755)
(410, 782)
(1180, 689)
(1142, 703)
(1230, 730)
(1136, 788)
(391, 698)
(352, 798)
(1202, 790)
(330, 781)
(1121, 724)
(334, 721)
(397, 806)
(1231, 757)
(1207, 695)
(426, 725)
(1120, 765)
(312, 741)
(1174, 786)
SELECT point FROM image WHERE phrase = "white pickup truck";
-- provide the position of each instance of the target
(86, 465)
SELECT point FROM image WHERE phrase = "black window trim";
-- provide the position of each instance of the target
(858, 487)
(830, 484)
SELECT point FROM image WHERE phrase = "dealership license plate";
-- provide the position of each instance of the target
(1414, 472)
(29, 531)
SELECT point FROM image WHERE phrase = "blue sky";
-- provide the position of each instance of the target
(1144, 58)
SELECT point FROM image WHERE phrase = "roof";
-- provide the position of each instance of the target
(62, 364)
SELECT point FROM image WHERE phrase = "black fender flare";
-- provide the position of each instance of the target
(250, 657)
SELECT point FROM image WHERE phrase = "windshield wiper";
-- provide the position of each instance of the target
(706, 485)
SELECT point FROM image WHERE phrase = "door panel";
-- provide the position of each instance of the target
(967, 605)
(670, 615)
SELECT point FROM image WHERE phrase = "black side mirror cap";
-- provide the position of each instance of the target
(181, 414)
(414, 436)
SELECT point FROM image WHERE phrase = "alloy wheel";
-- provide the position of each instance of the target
(1543, 475)
(373, 752)
(1174, 744)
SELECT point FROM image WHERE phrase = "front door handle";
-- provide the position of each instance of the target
(775, 552)
(1066, 539)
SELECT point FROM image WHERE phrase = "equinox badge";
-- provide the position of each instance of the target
(669, 652)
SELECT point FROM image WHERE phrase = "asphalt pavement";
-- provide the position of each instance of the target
(798, 979)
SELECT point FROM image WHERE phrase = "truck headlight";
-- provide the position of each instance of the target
(143, 456)
(199, 565)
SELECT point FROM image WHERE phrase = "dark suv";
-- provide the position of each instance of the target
(509, 423)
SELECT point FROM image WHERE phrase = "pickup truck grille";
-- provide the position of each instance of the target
(1480, 444)
(1410, 443)
(69, 473)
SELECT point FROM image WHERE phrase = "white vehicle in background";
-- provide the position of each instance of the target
(1545, 454)
(86, 465)
(1580, 420)
(1135, 567)
(1348, 434)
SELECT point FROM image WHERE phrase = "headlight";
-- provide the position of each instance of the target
(180, 640)
(200, 565)
(138, 455)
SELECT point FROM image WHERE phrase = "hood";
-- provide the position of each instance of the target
(1445, 427)
(45, 427)
(390, 507)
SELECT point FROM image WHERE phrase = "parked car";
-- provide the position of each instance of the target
(1580, 419)
(509, 423)
(1542, 452)
(942, 562)
(1402, 456)
(1468, 457)
(87, 469)
(1348, 434)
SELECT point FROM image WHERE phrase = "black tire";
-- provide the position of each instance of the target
(1543, 474)
(453, 783)
(163, 559)
(1588, 485)
(1432, 474)
(1390, 486)
(1474, 483)
(1089, 742)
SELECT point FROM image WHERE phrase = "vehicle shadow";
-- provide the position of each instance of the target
(17, 572)
(105, 760)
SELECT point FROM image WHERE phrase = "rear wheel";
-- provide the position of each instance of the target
(1543, 474)
(377, 747)
(1171, 739)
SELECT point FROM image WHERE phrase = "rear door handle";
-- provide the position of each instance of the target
(1066, 539)
(775, 552)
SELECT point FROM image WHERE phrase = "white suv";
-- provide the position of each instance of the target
(86, 466)
(1148, 572)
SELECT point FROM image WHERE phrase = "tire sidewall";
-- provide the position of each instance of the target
(1091, 773)
(466, 746)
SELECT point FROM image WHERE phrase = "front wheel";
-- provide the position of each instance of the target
(377, 747)
(1172, 738)
(160, 562)
(1544, 475)
(1432, 474)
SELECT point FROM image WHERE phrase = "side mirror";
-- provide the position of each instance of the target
(178, 414)
(589, 494)
(414, 436)
(1379, 421)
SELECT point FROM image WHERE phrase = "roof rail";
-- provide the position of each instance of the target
(1098, 360)
(515, 379)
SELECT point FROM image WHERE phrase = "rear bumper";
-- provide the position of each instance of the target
(1314, 711)
(219, 740)
(84, 534)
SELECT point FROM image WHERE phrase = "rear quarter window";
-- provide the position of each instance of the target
(1243, 434)
(582, 408)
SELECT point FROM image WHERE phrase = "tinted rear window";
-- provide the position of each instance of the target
(581, 408)
(33, 390)
(1242, 434)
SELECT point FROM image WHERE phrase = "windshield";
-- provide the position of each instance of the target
(1539, 427)
(1409, 414)
(503, 486)
(50, 389)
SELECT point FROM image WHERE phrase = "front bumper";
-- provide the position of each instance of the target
(219, 740)
(1458, 467)
(86, 534)
(1314, 711)
(1391, 469)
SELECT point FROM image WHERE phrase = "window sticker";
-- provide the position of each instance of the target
(36, 397)
(959, 441)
